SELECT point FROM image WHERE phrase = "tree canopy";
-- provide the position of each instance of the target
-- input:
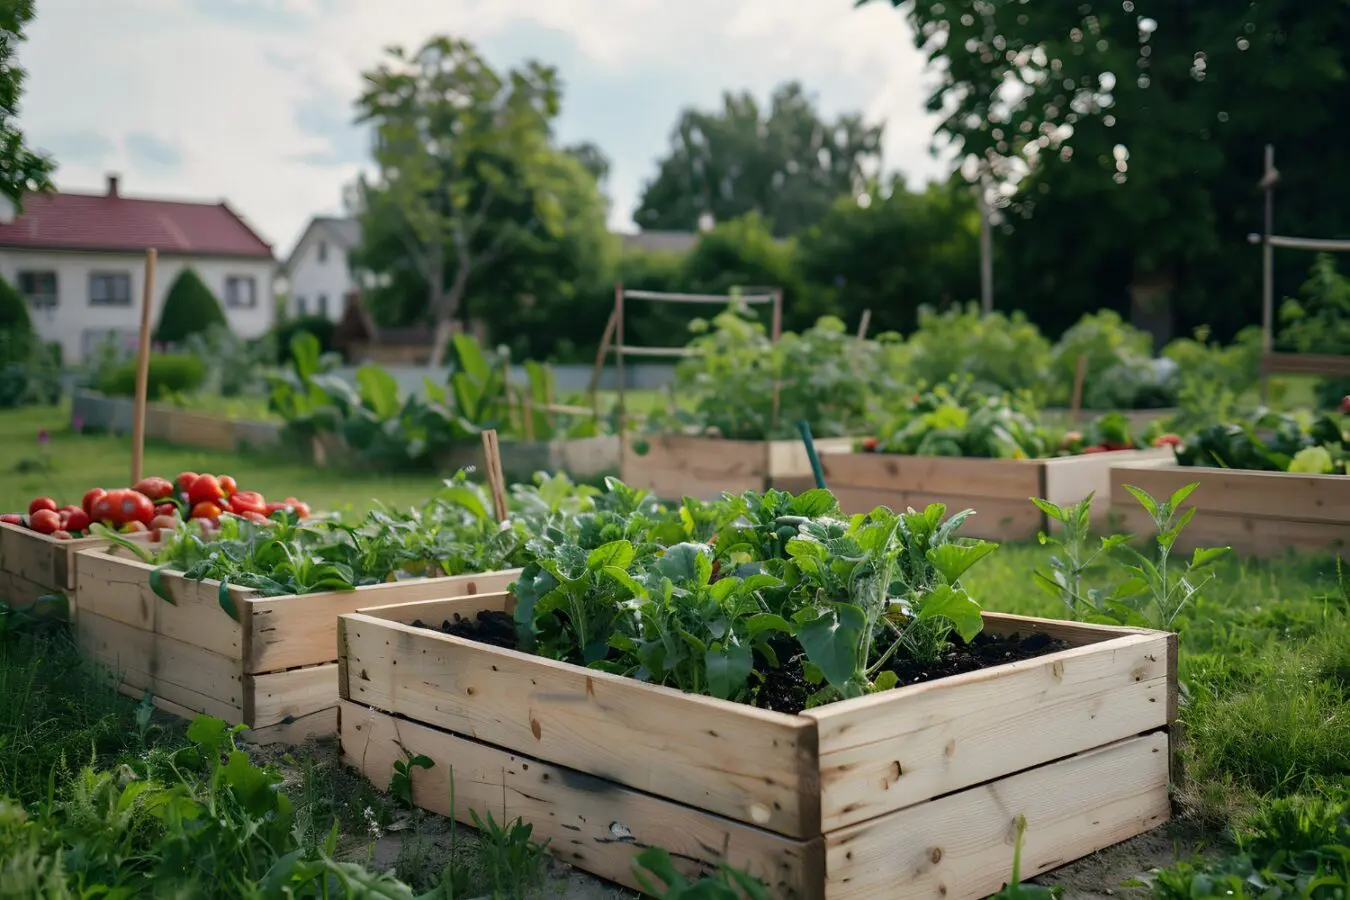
(21, 169)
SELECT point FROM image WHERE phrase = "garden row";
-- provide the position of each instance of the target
(877, 733)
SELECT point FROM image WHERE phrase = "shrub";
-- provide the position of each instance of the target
(998, 352)
(1318, 322)
(319, 326)
(189, 309)
(1118, 372)
(169, 374)
(14, 320)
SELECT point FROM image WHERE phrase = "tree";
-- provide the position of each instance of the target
(456, 143)
(1132, 134)
(190, 308)
(592, 159)
(788, 165)
(21, 170)
(894, 253)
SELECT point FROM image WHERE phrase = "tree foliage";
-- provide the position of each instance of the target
(786, 163)
(21, 169)
(190, 308)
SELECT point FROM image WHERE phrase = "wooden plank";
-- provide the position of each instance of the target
(279, 697)
(1068, 479)
(888, 751)
(788, 459)
(285, 632)
(1305, 364)
(1240, 492)
(992, 479)
(676, 466)
(1075, 634)
(188, 675)
(752, 765)
(118, 588)
(994, 520)
(317, 725)
(42, 559)
(190, 429)
(961, 846)
(590, 823)
(1246, 535)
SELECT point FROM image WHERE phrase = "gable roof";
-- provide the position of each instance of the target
(345, 232)
(113, 223)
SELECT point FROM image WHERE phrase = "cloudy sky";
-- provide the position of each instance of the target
(251, 100)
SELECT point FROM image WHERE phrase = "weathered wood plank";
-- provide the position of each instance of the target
(1246, 535)
(751, 765)
(961, 846)
(942, 476)
(888, 751)
(278, 697)
(1243, 493)
(589, 822)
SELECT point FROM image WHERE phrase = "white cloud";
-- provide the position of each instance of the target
(223, 85)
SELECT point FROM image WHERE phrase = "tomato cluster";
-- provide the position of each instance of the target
(152, 504)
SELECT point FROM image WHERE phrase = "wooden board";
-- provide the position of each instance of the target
(751, 765)
(676, 466)
(591, 823)
(44, 560)
(190, 429)
(321, 724)
(961, 845)
(1069, 479)
(278, 697)
(943, 476)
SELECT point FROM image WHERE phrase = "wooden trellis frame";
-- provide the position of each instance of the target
(1273, 363)
(613, 339)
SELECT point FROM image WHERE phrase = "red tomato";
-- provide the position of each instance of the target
(61, 534)
(247, 501)
(184, 481)
(208, 511)
(78, 520)
(129, 506)
(301, 509)
(257, 517)
(205, 489)
(102, 509)
(228, 485)
(274, 507)
(42, 503)
(869, 445)
(12, 519)
(1167, 440)
(90, 498)
(70, 509)
(45, 521)
(1094, 449)
(166, 509)
(154, 488)
(133, 527)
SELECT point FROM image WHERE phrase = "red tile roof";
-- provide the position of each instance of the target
(110, 222)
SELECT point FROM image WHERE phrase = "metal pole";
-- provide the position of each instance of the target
(986, 251)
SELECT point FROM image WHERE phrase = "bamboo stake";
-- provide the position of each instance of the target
(864, 324)
(142, 371)
(1076, 404)
(492, 468)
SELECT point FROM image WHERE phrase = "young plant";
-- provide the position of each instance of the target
(655, 871)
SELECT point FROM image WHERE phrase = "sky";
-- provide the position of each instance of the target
(250, 101)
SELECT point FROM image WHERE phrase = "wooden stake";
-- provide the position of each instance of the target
(527, 411)
(492, 467)
(776, 332)
(142, 371)
(1076, 404)
(864, 324)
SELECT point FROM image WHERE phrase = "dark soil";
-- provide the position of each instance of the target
(785, 688)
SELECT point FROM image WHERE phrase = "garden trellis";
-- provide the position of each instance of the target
(1272, 363)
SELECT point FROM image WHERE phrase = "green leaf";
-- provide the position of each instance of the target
(464, 496)
(814, 503)
(954, 560)
(469, 357)
(1204, 556)
(1052, 510)
(378, 390)
(762, 623)
(1181, 494)
(728, 669)
(623, 578)
(159, 588)
(227, 601)
(885, 680)
(681, 563)
(832, 642)
(1145, 500)
(956, 606)
(618, 554)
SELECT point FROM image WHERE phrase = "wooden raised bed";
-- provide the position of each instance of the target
(910, 793)
(672, 466)
(999, 490)
(1255, 513)
(273, 667)
(34, 565)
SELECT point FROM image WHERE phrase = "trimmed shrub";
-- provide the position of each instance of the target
(169, 374)
(189, 309)
(14, 320)
(319, 326)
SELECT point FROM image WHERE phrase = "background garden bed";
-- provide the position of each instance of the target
(672, 466)
(912, 792)
(270, 665)
(98, 413)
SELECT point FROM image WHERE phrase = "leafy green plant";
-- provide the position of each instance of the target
(997, 353)
(1271, 442)
(1015, 889)
(1119, 372)
(655, 871)
(956, 419)
(169, 374)
(400, 783)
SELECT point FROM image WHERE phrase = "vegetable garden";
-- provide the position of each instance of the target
(942, 634)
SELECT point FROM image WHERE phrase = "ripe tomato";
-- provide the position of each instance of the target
(301, 509)
(869, 445)
(205, 489)
(248, 501)
(154, 488)
(133, 527)
(129, 506)
(206, 510)
(169, 522)
(184, 481)
(1167, 440)
(42, 503)
(257, 517)
(78, 520)
(90, 498)
(102, 509)
(166, 509)
(228, 485)
(61, 534)
(12, 519)
(45, 521)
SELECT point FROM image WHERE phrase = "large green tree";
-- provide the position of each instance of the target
(1131, 135)
(460, 149)
(786, 163)
(21, 169)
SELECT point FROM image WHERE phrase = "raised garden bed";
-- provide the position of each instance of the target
(672, 466)
(172, 425)
(913, 792)
(269, 662)
(1255, 513)
(999, 489)
(34, 565)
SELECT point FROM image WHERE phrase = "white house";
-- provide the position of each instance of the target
(319, 269)
(80, 261)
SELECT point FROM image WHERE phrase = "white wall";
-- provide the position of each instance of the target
(74, 316)
(310, 279)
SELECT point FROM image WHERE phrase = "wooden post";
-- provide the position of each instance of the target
(142, 371)
(776, 332)
(618, 365)
(1076, 403)
(603, 352)
(492, 468)
(986, 250)
(1268, 179)
(527, 414)
(864, 324)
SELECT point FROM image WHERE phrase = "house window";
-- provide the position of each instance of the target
(300, 306)
(241, 292)
(323, 304)
(109, 289)
(39, 288)
(323, 251)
